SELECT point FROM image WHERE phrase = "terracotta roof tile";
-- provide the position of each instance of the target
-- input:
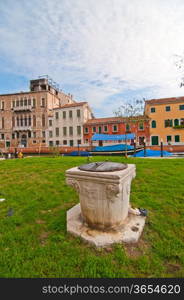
(71, 105)
(114, 119)
(22, 93)
(165, 100)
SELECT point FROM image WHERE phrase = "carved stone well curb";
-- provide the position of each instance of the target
(103, 216)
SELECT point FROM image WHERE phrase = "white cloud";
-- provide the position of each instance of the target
(98, 48)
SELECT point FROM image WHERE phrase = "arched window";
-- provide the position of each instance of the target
(43, 120)
(127, 127)
(21, 121)
(153, 124)
(34, 121)
(29, 122)
(176, 122)
(34, 102)
(43, 102)
(25, 102)
(13, 121)
(141, 126)
(3, 122)
(25, 121)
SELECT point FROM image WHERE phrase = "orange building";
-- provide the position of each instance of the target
(166, 120)
(138, 125)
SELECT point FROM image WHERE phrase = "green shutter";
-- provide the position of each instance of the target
(153, 124)
(154, 140)
(176, 122)
(177, 138)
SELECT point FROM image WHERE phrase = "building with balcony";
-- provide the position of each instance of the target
(24, 115)
(166, 120)
(45, 116)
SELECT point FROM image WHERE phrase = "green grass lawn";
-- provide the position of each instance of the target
(34, 241)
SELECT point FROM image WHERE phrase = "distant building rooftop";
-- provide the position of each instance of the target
(71, 105)
(115, 119)
(165, 100)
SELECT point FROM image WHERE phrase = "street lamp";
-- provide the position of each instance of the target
(144, 143)
(125, 145)
(161, 147)
(78, 143)
(134, 146)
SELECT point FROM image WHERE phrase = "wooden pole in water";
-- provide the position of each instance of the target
(144, 147)
(78, 147)
(126, 146)
(39, 149)
(161, 147)
(134, 146)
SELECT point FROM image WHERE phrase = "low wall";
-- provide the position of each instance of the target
(62, 150)
(169, 148)
(45, 150)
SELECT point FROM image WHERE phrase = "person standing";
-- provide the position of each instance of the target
(15, 153)
(20, 154)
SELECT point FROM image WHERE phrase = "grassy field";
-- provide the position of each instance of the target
(34, 242)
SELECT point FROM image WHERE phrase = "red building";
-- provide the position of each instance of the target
(138, 125)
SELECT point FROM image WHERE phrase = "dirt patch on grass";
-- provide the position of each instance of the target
(43, 238)
(40, 221)
(109, 249)
(148, 171)
(45, 211)
(136, 250)
(64, 206)
(172, 267)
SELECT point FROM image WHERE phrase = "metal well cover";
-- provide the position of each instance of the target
(104, 166)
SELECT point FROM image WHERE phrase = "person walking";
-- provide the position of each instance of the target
(20, 154)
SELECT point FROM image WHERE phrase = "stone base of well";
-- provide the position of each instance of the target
(129, 232)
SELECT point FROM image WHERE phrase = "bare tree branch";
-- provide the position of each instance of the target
(130, 108)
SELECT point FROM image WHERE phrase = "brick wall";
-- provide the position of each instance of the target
(177, 148)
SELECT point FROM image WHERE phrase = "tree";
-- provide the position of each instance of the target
(179, 63)
(130, 108)
(54, 151)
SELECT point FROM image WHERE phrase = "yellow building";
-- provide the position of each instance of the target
(166, 120)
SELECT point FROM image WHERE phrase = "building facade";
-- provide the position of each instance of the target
(65, 127)
(166, 120)
(24, 115)
(138, 125)
(45, 117)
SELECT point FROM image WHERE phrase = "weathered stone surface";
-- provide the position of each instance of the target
(104, 215)
(104, 196)
(103, 166)
(129, 232)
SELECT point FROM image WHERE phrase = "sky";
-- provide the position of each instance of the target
(106, 52)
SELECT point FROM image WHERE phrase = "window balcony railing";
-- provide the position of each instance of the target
(21, 128)
(181, 126)
(22, 108)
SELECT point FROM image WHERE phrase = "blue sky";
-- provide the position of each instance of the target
(105, 52)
